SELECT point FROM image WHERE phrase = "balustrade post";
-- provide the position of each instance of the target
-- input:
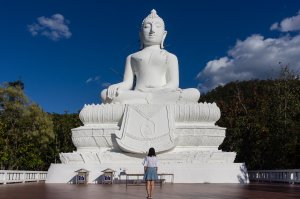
(38, 176)
(5, 177)
(23, 180)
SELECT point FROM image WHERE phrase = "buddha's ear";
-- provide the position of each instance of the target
(141, 41)
(163, 39)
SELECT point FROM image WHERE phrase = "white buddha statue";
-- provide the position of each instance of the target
(155, 71)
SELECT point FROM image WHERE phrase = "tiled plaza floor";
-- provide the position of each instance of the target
(168, 191)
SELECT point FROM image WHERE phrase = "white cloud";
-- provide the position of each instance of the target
(54, 28)
(92, 79)
(288, 24)
(254, 58)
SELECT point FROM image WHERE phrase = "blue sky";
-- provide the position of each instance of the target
(66, 64)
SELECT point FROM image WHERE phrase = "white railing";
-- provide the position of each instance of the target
(290, 176)
(12, 176)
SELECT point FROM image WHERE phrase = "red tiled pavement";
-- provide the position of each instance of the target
(169, 191)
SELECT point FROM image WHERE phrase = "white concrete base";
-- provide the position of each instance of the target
(184, 136)
(183, 173)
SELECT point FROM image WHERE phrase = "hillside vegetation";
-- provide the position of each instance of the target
(262, 118)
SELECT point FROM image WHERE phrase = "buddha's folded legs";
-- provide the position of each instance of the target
(127, 97)
(190, 95)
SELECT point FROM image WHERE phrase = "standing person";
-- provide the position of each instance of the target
(150, 171)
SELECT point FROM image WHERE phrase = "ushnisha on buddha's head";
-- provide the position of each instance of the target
(152, 31)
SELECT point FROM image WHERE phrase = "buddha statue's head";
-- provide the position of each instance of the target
(153, 31)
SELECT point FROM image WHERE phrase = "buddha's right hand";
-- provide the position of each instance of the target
(112, 91)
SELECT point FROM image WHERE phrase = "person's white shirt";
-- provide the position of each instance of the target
(150, 161)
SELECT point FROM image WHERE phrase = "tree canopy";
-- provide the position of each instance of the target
(262, 118)
(25, 130)
(30, 138)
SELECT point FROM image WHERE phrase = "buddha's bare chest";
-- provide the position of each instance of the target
(149, 62)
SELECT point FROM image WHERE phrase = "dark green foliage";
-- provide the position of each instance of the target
(25, 130)
(262, 118)
(30, 138)
(63, 123)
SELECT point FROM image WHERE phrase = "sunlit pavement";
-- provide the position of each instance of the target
(168, 191)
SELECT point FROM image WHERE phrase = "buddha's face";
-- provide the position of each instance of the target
(153, 32)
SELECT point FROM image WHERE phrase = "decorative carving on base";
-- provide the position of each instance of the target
(97, 114)
(88, 137)
(196, 112)
(101, 113)
(195, 156)
(145, 126)
(136, 128)
(200, 136)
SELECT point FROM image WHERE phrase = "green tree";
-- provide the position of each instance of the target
(25, 130)
(63, 123)
(262, 120)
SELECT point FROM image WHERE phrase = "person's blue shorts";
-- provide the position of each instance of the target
(150, 174)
